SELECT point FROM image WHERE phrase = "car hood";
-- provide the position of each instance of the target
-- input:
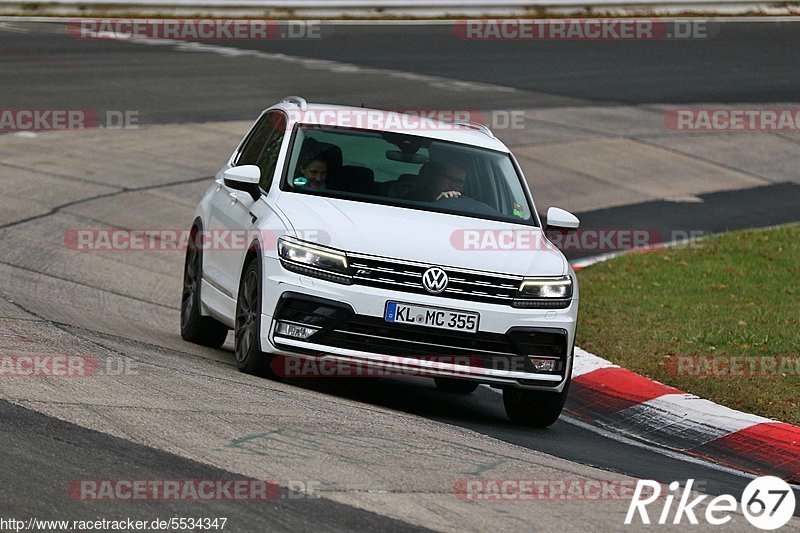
(423, 236)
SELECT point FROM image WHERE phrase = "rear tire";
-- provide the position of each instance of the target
(534, 408)
(195, 327)
(247, 333)
(455, 386)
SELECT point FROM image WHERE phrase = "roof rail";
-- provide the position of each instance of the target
(299, 100)
(483, 128)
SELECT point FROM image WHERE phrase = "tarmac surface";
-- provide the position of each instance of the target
(384, 453)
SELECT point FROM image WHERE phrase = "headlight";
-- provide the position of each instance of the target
(314, 260)
(544, 293)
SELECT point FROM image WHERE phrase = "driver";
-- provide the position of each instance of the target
(447, 180)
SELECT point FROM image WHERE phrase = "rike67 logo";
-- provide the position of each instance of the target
(767, 503)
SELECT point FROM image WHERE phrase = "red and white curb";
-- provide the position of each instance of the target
(630, 404)
(627, 403)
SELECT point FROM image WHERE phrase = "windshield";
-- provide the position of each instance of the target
(407, 171)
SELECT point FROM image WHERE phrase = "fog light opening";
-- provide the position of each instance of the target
(296, 331)
(542, 364)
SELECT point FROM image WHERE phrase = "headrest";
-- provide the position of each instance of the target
(314, 149)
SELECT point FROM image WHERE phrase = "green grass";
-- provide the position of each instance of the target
(736, 294)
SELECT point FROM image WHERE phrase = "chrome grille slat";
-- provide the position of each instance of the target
(463, 293)
(386, 270)
(476, 282)
(486, 285)
(424, 266)
(389, 282)
(407, 275)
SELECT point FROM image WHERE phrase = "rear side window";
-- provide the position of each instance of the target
(263, 146)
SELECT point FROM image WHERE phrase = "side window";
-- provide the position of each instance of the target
(263, 146)
(255, 142)
(268, 158)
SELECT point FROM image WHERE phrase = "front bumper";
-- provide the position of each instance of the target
(353, 331)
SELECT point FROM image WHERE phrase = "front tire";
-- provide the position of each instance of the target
(534, 408)
(455, 386)
(247, 333)
(195, 327)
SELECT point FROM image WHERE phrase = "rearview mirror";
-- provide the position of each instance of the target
(244, 178)
(397, 155)
(559, 218)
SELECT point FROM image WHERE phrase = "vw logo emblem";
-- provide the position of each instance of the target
(435, 280)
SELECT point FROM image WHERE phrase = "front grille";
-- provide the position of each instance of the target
(407, 276)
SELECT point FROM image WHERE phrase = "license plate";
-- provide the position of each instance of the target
(432, 317)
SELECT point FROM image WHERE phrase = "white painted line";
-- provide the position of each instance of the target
(685, 199)
(336, 67)
(589, 261)
(11, 28)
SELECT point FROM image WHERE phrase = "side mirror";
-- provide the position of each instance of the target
(559, 218)
(244, 178)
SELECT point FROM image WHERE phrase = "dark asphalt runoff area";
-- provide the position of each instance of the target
(744, 63)
(41, 455)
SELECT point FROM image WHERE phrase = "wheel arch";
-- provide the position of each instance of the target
(197, 226)
(253, 252)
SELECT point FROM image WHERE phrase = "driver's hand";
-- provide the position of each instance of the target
(449, 194)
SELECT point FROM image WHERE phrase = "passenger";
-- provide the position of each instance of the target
(315, 171)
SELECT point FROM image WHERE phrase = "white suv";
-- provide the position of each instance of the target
(384, 240)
